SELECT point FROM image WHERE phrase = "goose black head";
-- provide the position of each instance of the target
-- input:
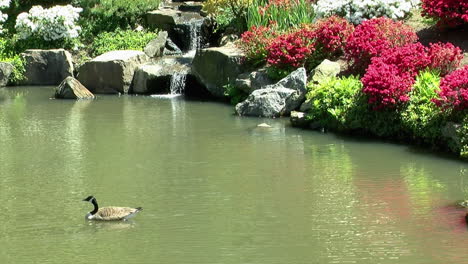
(88, 199)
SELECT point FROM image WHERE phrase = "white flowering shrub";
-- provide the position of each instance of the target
(3, 17)
(50, 24)
(356, 11)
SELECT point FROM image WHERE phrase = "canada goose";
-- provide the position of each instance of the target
(109, 213)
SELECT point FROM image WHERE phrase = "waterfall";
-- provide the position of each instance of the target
(178, 83)
(194, 37)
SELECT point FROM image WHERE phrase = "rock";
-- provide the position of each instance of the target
(191, 6)
(184, 28)
(325, 70)
(298, 119)
(111, 72)
(160, 77)
(265, 125)
(216, 67)
(5, 72)
(278, 99)
(251, 81)
(46, 67)
(171, 48)
(71, 88)
(306, 106)
(156, 46)
(229, 38)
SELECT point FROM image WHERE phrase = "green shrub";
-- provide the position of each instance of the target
(421, 117)
(109, 15)
(228, 13)
(463, 134)
(7, 54)
(234, 94)
(331, 101)
(281, 14)
(121, 40)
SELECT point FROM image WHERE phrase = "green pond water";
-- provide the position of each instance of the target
(215, 188)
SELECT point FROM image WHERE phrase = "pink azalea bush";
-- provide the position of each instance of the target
(374, 36)
(386, 85)
(255, 41)
(454, 90)
(291, 49)
(445, 57)
(449, 12)
(331, 34)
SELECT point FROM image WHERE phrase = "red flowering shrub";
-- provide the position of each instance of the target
(410, 58)
(454, 90)
(255, 42)
(449, 12)
(444, 57)
(374, 36)
(331, 34)
(386, 85)
(291, 50)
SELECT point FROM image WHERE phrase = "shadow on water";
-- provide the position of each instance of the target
(113, 226)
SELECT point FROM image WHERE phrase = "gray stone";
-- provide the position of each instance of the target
(251, 81)
(159, 77)
(216, 67)
(5, 72)
(298, 119)
(325, 70)
(156, 46)
(71, 88)
(184, 28)
(171, 48)
(46, 67)
(191, 6)
(278, 99)
(111, 72)
(229, 38)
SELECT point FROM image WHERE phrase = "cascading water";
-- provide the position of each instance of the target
(178, 83)
(194, 37)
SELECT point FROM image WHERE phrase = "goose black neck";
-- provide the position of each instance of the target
(96, 207)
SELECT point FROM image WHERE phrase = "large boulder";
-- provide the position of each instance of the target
(278, 99)
(156, 46)
(111, 72)
(161, 77)
(71, 88)
(5, 72)
(184, 28)
(216, 67)
(251, 81)
(46, 67)
(325, 70)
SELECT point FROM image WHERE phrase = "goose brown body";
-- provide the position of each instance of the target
(111, 213)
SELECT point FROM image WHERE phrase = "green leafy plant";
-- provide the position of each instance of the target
(121, 40)
(463, 134)
(234, 94)
(228, 13)
(109, 15)
(7, 54)
(421, 117)
(281, 14)
(331, 101)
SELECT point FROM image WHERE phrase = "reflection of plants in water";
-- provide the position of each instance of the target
(464, 183)
(420, 184)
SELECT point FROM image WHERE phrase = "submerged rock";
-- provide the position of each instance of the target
(216, 67)
(5, 72)
(277, 99)
(298, 119)
(71, 88)
(111, 72)
(46, 67)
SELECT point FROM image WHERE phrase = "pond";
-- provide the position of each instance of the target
(214, 188)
